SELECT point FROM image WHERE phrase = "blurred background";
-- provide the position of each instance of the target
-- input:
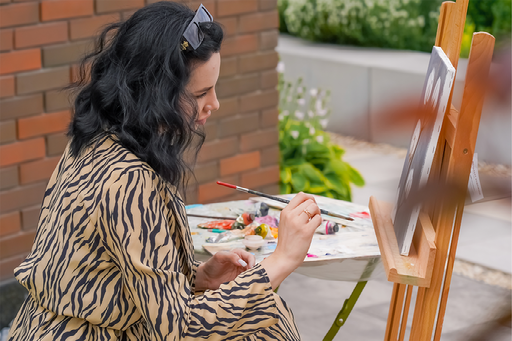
(346, 68)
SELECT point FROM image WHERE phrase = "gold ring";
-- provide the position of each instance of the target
(309, 214)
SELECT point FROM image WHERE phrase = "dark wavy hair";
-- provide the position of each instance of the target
(136, 90)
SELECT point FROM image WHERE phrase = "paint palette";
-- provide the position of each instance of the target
(418, 162)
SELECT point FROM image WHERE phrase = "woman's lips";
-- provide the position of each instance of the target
(203, 121)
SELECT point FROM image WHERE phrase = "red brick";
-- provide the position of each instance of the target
(38, 170)
(89, 27)
(21, 151)
(229, 25)
(239, 163)
(211, 191)
(20, 106)
(239, 45)
(75, 72)
(271, 189)
(228, 107)
(14, 245)
(259, 100)
(238, 85)
(22, 60)
(19, 14)
(257, 62)
(259, 139)
(43, 124)
(7, 266)
(57, 100)
(9, 177)
(258, 22)
(56, 143)
(269, 118)
(103, 6)
(217, 149)
(66, 53)
(210, 129)
(6, 86)
(10, 223)
(7, 131)
(268, 5)
(269, 79)
(233, 7)
(22, 197)
(30, 217)
(270, 156)
(206, 172)
(127, 14)
(63, 9)
(261, 177)
(238, 125)
(269, 40)
(228, 67)
(41, 34)
(6, 40)
(41, 80)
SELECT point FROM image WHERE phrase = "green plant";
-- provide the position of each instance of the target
(308, 161)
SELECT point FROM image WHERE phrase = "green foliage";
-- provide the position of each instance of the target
(309, 162)
(399, 24)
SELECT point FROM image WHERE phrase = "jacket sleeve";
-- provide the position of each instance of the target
(144, 244)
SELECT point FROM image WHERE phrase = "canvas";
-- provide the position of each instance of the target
(418, 162)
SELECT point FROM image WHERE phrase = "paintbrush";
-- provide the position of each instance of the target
(210, 217)
(286, 201)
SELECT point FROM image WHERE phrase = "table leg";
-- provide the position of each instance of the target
(345, 311)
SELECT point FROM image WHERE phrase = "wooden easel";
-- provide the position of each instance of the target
(429, 265)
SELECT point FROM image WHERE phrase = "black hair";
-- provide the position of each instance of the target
(136, 90)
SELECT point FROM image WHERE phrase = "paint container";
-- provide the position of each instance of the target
(328, 227)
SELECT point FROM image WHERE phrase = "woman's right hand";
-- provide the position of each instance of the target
(296, 230)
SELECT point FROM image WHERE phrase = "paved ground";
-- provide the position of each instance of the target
(484, 253)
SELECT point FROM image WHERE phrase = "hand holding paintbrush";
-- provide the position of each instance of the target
(286, 201)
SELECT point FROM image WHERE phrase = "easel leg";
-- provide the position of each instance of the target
(345, 311)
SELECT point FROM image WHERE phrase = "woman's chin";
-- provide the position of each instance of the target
(201, 122)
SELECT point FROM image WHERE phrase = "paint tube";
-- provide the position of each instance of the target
(328, 227)
(227, 236)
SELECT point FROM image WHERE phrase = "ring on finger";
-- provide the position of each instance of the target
(309, 214)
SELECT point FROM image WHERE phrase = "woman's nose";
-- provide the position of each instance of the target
(214, 105)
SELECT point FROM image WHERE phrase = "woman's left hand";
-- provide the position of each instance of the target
(223, 267)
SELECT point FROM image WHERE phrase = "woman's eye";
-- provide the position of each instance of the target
(202, 95)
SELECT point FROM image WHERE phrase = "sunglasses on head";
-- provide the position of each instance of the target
(193, 36)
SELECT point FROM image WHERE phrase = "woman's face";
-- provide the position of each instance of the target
(202, 86)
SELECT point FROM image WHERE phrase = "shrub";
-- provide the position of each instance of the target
(308, 161)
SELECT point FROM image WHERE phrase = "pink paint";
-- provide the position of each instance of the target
(310, 255)
(363, 214)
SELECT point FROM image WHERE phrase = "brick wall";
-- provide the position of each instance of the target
(40, 44)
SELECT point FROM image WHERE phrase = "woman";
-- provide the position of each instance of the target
(113, 256)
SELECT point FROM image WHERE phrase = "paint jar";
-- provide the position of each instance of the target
(253, 242)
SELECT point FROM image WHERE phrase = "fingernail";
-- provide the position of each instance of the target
(242, 263)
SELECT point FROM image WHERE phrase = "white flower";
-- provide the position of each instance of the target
(280, 67)
(322, 112)
(294, 134)
(289, 99)
(280, 117)
(300, 90)
(320, 139)
(299, 114)
(323, 123)
(305, 141)
(318, 105)
(301, 101)
(313, 92)
(285, 113)
(312, 131)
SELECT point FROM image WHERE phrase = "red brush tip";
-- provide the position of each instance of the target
(226, 184)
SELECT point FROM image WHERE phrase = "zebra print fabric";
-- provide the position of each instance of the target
(113, 260)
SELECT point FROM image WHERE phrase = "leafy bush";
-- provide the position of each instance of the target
(308, 161)
(400, 24)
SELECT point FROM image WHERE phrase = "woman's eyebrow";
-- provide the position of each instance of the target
(205, 89)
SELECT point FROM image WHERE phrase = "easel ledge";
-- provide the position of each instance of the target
(415, 269)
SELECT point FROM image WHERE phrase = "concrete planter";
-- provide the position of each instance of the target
(364, 81)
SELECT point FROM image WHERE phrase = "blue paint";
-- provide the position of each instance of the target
(192, 206)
